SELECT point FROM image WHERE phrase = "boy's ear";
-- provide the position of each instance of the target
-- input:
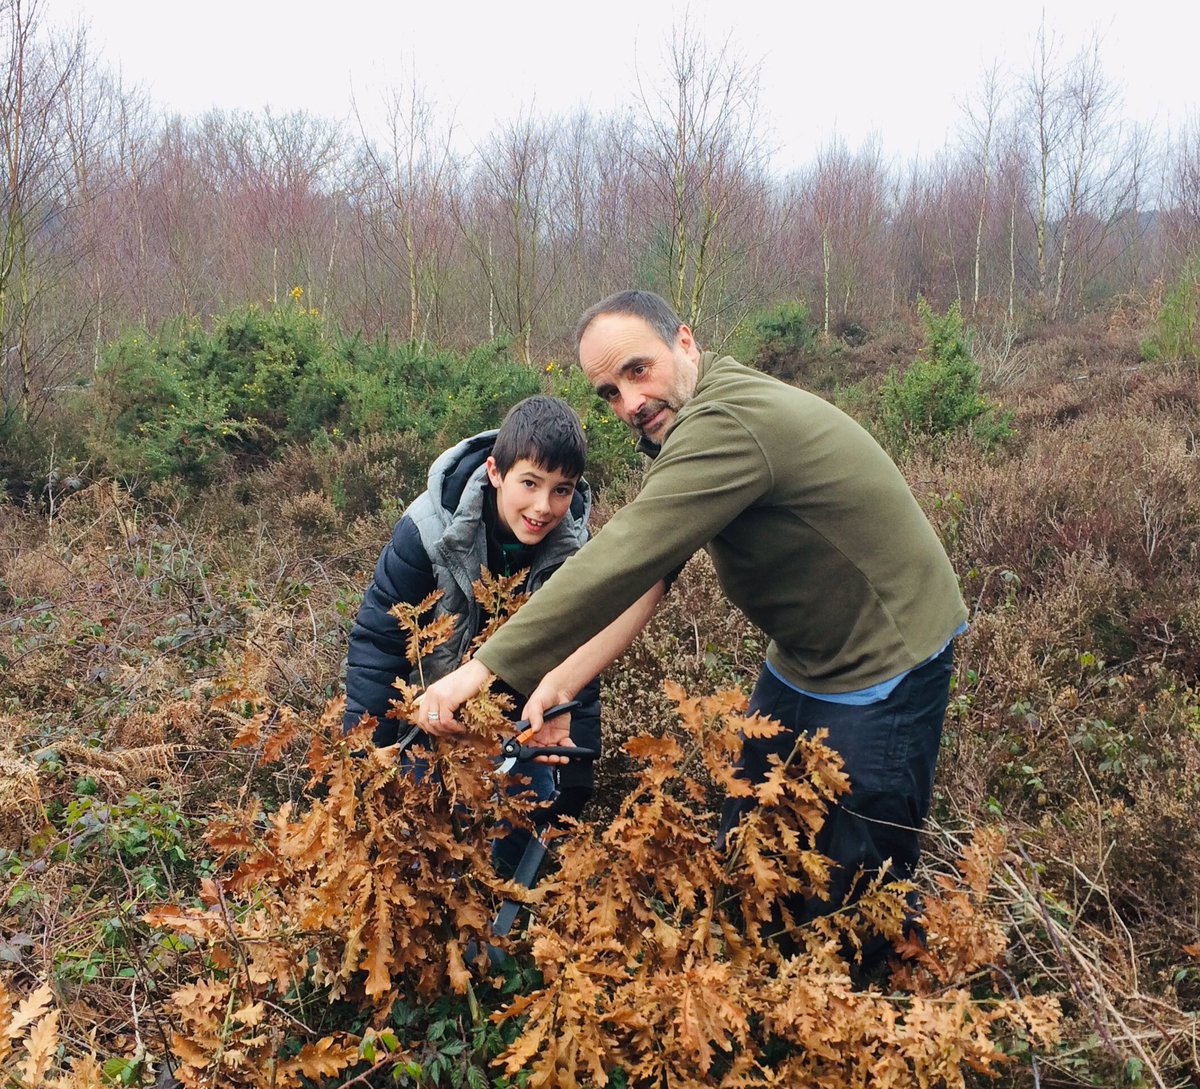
(494, 474)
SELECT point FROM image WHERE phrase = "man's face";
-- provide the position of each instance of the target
(644, 380)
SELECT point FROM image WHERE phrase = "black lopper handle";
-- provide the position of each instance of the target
(529, 752)
(514, 747)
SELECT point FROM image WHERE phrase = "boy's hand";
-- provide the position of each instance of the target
(439, 702)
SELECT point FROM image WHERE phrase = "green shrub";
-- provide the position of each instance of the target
(939, 394)
(185, 403)
(258, 360)
(1176, 336)
(152, 418)
(439, 396)
(771, 336)
(190, 404)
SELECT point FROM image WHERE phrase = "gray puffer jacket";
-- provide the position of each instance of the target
(454, 531)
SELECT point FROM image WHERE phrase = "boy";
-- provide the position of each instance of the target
(509, 500)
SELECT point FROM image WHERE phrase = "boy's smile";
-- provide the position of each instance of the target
(530, 500)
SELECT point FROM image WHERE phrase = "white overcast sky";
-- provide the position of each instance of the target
(894, 70)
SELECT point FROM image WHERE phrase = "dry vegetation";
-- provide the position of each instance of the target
(169, 768)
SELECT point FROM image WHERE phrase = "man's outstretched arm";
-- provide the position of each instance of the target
(442, 699)
(564, 681)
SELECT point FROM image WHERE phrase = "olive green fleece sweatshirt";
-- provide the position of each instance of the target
(812, 530)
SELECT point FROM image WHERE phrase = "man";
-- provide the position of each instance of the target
(814, 535)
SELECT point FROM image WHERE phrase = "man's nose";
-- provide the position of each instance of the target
(631, 403)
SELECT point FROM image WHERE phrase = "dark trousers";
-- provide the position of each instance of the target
(889, 749)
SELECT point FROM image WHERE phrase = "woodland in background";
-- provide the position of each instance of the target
(1046, 205)
(232, 345)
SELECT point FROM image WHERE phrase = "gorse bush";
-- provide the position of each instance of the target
(179, 404)
(939, 394)
(768, 337)
(437, 396)
(187, 402)
(1176, 336)
(190, 404)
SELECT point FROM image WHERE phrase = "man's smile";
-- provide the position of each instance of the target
(652, 417)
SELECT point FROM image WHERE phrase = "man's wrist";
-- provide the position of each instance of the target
(563, 685)
(476, 671)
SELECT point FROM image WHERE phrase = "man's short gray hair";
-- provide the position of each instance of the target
(653, 309)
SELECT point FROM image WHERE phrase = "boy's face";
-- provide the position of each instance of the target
(531, 500)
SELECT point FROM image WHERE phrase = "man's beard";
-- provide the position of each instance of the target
(646, 413)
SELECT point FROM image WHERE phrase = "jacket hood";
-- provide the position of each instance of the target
(453, 469)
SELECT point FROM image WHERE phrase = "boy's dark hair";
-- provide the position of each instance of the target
(547, 431)
(653, 309)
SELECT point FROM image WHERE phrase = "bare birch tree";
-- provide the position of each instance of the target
(705, 164)
(1181, 195)
(104, 135)
(34, 194)
(405, 193)
(505, 218)
(846, 194)
(1087, 99)
(1047, 125)
(1088, 174)
(982, 116)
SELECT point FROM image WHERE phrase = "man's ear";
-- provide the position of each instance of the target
(493, 472)
(687, 342)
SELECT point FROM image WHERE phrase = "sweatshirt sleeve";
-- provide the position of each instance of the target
(377, 653)
(710, 469)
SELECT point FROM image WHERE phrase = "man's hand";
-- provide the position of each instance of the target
(439, 702)
(552, 732)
